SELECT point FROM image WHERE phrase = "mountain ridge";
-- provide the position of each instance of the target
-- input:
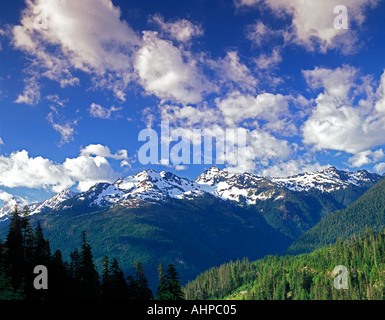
(150, 185)
(367, 211)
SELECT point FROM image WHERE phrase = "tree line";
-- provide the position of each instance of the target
(303, 277)
(26, 247)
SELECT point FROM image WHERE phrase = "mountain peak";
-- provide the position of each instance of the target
(212, 176)
(150, 185)
(327, 180)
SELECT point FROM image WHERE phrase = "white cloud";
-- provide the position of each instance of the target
(87, 171)
(1, 141)
(90, 167)
(312, 23)
(379, 167)
(188, 116)
(103, 151)
(31, 92)
(365, 157)
(261, 148)
(83, 35)
(339, 122)
(5, 196)
(11, 201)
(265, 61)
(259, 33)
(232, 73)
(97, 111)
(65, 128)
(250, 3)
(291, 167)
(380, 103)
(165, 72)
(237, 107)
(181, 30)
(19, 170)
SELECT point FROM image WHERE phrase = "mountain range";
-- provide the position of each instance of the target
(248, 188)
(159, 217)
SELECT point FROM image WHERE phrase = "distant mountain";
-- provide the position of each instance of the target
(49, 204)
(159, 217)
(367, 211)
(8, 207)
(246, 188)
(328, 180)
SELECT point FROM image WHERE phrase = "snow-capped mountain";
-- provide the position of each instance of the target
(230, 186)
(328, 180)
(147, 185)
(8, 207)
(52, 202)
(252, 187)
(150, 186)
(49, 204)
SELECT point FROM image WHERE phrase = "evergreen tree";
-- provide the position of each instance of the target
(118, 282)
(88, 276)
(106, 279)
(59, 278)
(171, 288)
(15, 250)
(42, 252)
(161, 293)
(142, 285)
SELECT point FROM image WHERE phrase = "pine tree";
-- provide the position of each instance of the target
(59, 278)
(143, 290)
(89, 277)
(15, 250)
(106, 279)
(118, 283)
(161, 288)
(42, 252)
(173, 288)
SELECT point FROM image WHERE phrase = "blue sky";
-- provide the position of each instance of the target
(80, 80)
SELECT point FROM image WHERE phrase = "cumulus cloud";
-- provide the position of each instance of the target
(181, 30)
(165, 71)
(103, 151)
(10, 201)
(266, 111)
(91, 166)
(312, 24)
(365, 157)
(379, 167)
(339, 121)
(5, 196)
(82, 35)
(258, 117)
(189, 116)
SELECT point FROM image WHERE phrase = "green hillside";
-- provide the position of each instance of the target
(301, 277)
(367, 211)
(193, 234)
